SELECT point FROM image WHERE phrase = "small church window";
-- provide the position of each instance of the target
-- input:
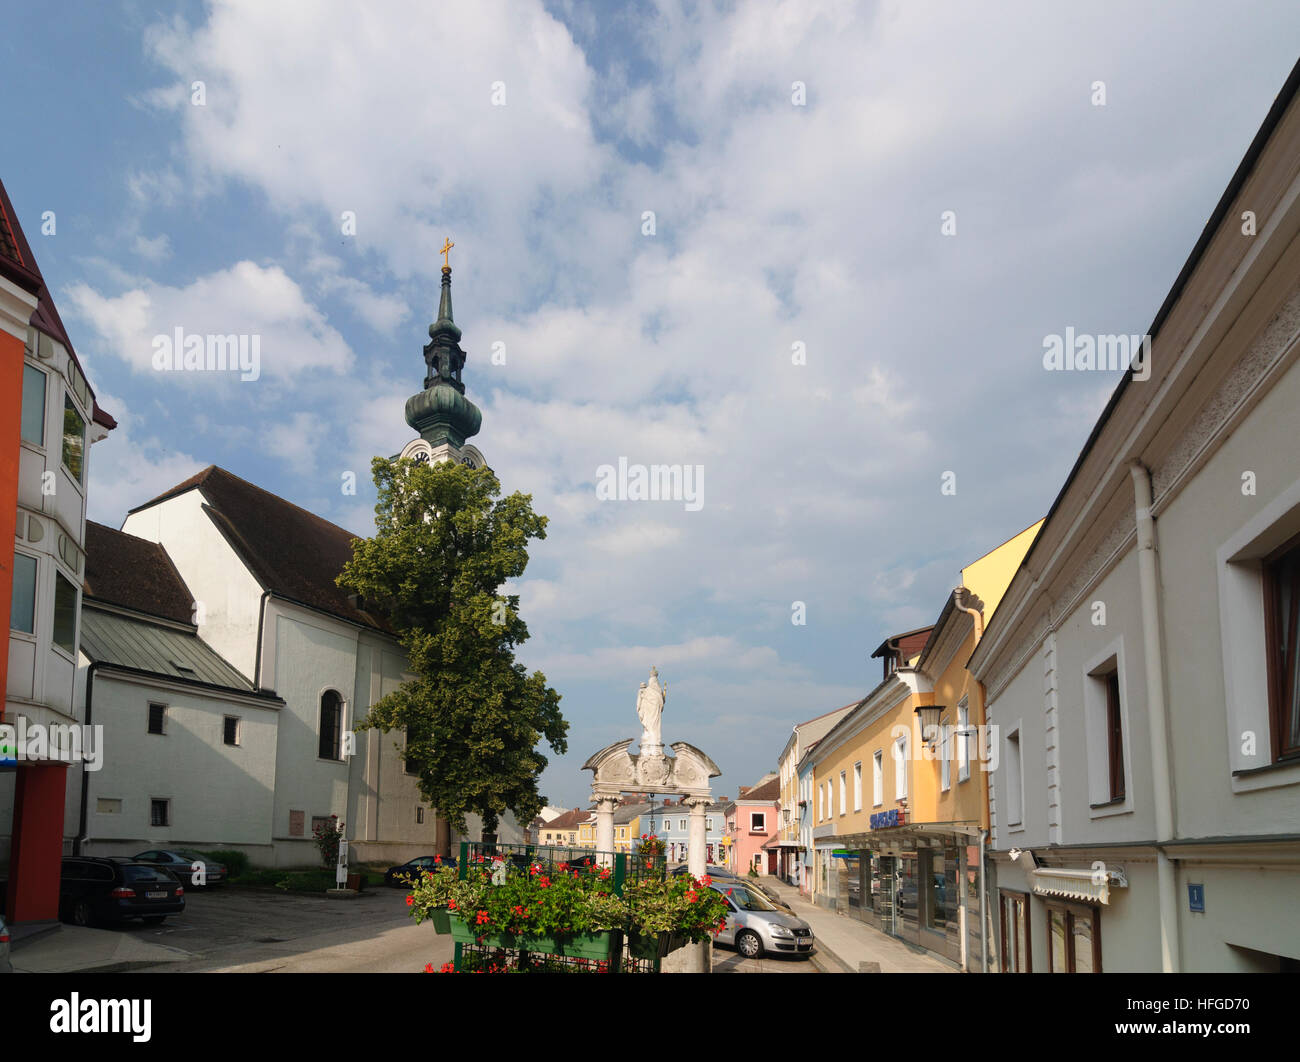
(331, 725)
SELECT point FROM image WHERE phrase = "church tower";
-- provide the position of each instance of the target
(441, 413)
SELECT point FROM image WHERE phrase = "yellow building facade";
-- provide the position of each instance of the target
(900, 784)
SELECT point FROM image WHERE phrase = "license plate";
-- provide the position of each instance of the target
(156, 895)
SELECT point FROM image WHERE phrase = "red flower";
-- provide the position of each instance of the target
(428, 967)
(483, 918)
(706, 881)
(544, 882)
(691, 896)
(410, 901)
(448, 967)
(437, 859)
(451, 905)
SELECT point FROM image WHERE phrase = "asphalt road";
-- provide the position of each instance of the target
(238, 930)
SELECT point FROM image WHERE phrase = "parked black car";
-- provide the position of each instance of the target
(110, 890)
(180, 862)
(397, 876)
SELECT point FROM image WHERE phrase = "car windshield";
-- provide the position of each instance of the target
(745, 899)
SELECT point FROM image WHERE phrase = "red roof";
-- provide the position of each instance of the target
(19, 264)
(290, 551)
(568, 820)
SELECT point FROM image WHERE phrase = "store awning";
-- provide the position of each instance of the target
(776, 842)
(1090, 886)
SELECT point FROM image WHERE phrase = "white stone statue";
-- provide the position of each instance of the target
(649, 709)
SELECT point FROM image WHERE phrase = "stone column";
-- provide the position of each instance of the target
(605, 826)
(693, 958)
(697, 839)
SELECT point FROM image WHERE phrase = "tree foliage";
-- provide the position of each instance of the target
(445, 543)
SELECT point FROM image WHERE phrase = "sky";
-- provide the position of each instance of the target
(811, 248)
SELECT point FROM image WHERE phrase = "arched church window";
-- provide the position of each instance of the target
(331, 725)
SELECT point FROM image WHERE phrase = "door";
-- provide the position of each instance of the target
(887, 896)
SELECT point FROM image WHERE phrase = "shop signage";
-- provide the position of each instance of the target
(893, 817)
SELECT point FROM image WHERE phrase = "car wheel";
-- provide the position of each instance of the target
(81, 915)
(748, 944)
(154, 920)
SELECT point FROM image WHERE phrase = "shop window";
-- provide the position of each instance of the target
(22, 601)
(1073, 939)
(33, 428)
(1016, 953)
(74, 439)
(65, 614)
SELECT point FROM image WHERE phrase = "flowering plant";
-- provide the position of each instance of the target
(678, 903)
(652, 846)
(327, 835)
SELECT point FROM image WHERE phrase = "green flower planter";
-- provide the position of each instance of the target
(441, 920)
(581, 946)
(648, 946)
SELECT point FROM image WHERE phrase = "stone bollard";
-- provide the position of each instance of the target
(693, 958)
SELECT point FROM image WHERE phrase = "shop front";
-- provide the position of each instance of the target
(920, 884)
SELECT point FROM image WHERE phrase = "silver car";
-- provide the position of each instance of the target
(4, 947)
(756, 926)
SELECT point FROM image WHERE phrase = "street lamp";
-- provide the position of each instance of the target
(930, 715)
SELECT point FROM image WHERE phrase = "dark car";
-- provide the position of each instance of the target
(180, 862)
(406, 875)
(711, 871)
(111, 890)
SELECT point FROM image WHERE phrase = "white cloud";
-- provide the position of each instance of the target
(246, 299)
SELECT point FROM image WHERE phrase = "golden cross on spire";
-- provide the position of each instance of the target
(446, 247)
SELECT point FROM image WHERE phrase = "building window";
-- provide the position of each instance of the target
(1282, 637)
(573, 837)
(681, 825)
(232, 730)
(160, 813)
(1016, 954)
(74, 438)
(65, 614)
(708, 825)
(33, 430)
(757, 822)
(1114, 737)
(963, 741)
(1015, 803)
(331, 725)
(1104, 724)
(108, 806)
(1073, 939)
(844, 804)
(878, 778)
(22, 604)
(945, 754)
(297, 823)
(821, 803)
(900, 768)
(419, 816)
(157, 718)
(857, 786)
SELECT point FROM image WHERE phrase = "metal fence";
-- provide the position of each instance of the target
(624, 867)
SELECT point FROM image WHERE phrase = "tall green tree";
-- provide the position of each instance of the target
(445, 544)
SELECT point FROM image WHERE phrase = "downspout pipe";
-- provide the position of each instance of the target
(1162, 782)
(81, 840)
(984, 918)
(977, 618)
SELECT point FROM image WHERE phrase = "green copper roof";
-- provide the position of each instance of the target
(441, 413)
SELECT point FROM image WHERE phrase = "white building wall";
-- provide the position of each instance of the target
(228, 599)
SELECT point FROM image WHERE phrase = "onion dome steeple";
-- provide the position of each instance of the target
(441, 413)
